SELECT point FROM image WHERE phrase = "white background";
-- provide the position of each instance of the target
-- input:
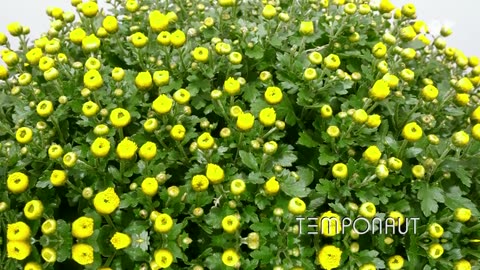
(461, 15)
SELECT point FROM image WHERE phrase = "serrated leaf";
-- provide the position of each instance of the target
(263, 254)
(429, 198)
(306, 140)
(249, 160)
(454, 200)
(326, 156)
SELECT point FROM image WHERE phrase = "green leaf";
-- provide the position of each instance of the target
(249, 160)
(263, 254)
(430, 197)
(326, 156)
(454, 200)
(413, 152)
(306, 175)
(256, 52)
(306, 140)
(295, 188)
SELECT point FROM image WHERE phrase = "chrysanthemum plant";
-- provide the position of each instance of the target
(209, 134)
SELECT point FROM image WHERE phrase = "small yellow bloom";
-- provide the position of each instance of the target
(181, 96)
(58, 178)
(139, 40)
(200, 54)
(161, 77)
(110, 23)
(49, 255)
(158, 21)
(332, 61)
(237, 186)
(17, 182)
(460, 139)
(150, 186)
(333, 131)
(90, 9)
(329, 224)
(18, 231)
(310, 74)
(429, 93)
(329, 257)
(126, 149)
(235, 58)
(120, 240)
(231, 86)
(132, 5)
(372, 154)
(230, 223)
(100, 147)
(269, 12)
(360, 116)
(34, 55)
(296, 206)
(120, 117)
(306, 28)
(315, 58)
(162, 104)
(164, 38)
(272, 186)
(148, 151)
(205, 141)
(178, 38)
(163, 223)
(118, 74)
(33, 209)
(150, 124)
(380, 90)
(462, 214)
(106, 202)
(32, 266)
(412, 132)
(77, 35)
(435, 251)
(418, 171)
(82, 253)
(368, 210)
(24, 135)
(273, 95)
(408, 33)
(373, 121)
(90, 108)
(245, 121)
(143, 80)
(163, 258)
(82, 227)
(15, 29)
(435, 230)
(267, 117)
(70, 159)
(230, 257)
(18, 250)
(91, 43)
(340, 171)
(93, 79)
(178, 132)
(395, 262)
(200, 183)
(462, 265)
(49, 226)
(215, 173)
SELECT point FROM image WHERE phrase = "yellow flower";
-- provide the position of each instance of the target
(132, 5)
(215, 173)
(462, 214)
(49, 255)
(118, 74)
(296, 206)
(18, 231)
(162, 104)
(164, 38)
(90, 108)
(360, 116)
(70, 159)
(368, 266)
(380, 90)
(82, 253)
(237, 186)
(161, 77)
(120, 240)
(34, 55)
(386, 6)
(367, 209)
(205, 141)
(158, 21)
(340, 171)
(418, 171)
(150, 186)
(462, 99)
(49, 226)
(315, 58)
(235, 58)
(120, 117)
(460, 139)
(429, 93)
(139, 40)
(231, 86)
(379, 50)
(310, 74)
(435, 251)
(17, 182)
(58, 178)
(464, 85)
(163, 223)
(230, 223)
(329, 224)
(77, 35)
(92, 79)
(106, 202)
(110, 23)
(18, 250)
(126, 149)
(150, 124)
(178, 132)
(306, 28)
(32, 266)
(178, 38)
(148, 151)
(267, 117)
(273, 95)
(223, 48)
(24, 135)
(412, 132)
(200, 183)
(463, 265)
(329, 257)
(269, 12)
(93, 63)
(245, 121)
(476, 132)
(373, 121)
(435, 230)
(33, 209)
(272, 186)
(163, 257)
(143, 80)
(408, 33)
(398, 218)
(230, 257)
(181, 96)
(3, 73)
(372, 154)
(333, 131)
(90, 43)
(15, 29)
(326, 111)
(200, 54)
(89, 9)
(226, 3)
(332, 61)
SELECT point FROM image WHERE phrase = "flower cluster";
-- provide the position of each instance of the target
(192, 134)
